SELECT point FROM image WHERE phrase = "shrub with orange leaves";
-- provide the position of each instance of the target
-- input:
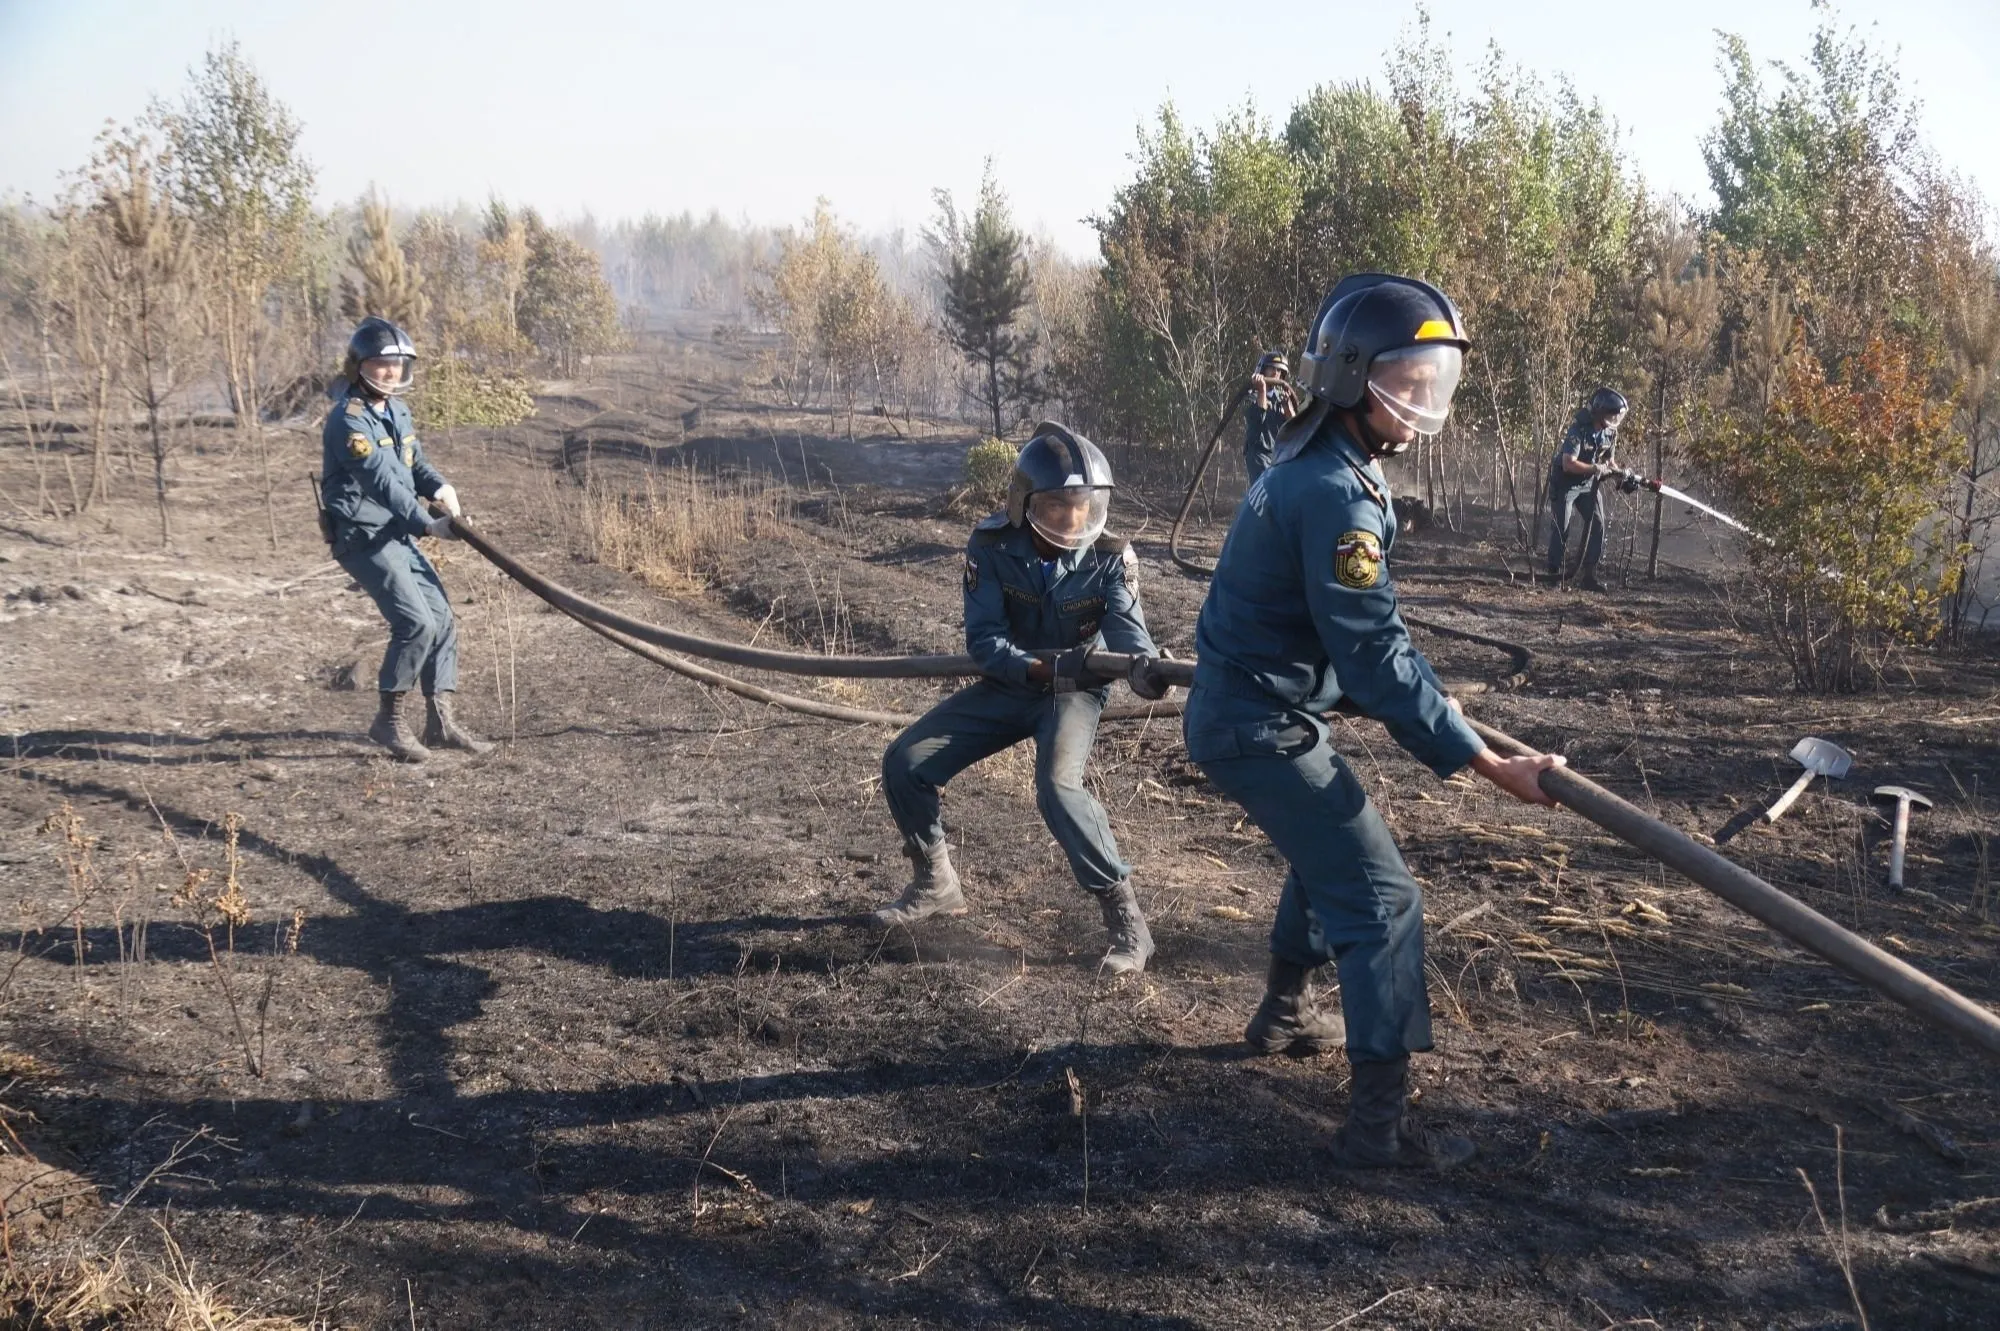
(1846, 476)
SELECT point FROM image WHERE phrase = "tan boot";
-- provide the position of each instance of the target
(1131, 940)
(442, 730)
(1287, 1021)
(392, 730)
(933, 888)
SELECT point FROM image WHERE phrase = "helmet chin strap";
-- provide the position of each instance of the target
(1370, 439)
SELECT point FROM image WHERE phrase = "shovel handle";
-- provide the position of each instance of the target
(1902, 841)
(1790, 797)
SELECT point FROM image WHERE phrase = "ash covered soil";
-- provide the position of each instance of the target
(585, 1033)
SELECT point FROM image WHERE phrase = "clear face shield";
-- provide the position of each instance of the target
(1069, 519)
(1415, 384)
(388, 375)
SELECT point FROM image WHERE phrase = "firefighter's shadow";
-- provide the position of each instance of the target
(416, 955)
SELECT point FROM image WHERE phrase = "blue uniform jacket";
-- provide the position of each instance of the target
(1262, 420)
(1585, 445)
(1301, 612)
(1013, 607)
(375, 471)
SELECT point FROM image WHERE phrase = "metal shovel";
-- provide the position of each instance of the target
(1820, 758)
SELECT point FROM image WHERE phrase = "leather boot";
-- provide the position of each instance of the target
(1382, 1133)
(392, 730)
(933, 888)
(442, 730)
(1287, 1022)
(1131, 940)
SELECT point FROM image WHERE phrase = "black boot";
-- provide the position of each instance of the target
(392, 731)
(933, 888)
(1382, 1133)
(442, 730)
(1287, 1022)
(1131, 940)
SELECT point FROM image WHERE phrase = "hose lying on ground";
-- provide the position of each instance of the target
(1929, 999)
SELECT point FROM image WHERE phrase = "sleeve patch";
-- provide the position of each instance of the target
(971, 574)
(359, 445)
(1357, 560)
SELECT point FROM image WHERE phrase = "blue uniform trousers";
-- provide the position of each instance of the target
(1256, 458)
(1586, 504)
(979, 721)
(1348, 897)
(423, 635)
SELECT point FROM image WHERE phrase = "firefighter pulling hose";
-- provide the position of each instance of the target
(1927, 998)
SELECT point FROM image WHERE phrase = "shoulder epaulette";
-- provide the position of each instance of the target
(1108, 544)
(991, 529)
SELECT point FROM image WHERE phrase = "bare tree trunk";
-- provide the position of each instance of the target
(1659, 470)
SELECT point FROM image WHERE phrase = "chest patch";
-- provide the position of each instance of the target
(1357, 560)
(359, 445)
(409, 454)
(1088, 606)
(1021, 594)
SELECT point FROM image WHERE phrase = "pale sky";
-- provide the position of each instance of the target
(621, 107)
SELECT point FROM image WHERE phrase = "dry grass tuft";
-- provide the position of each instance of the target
(108, 1294)
(671, 532)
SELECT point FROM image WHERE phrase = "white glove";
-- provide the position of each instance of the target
(441, 528)
(449, 498)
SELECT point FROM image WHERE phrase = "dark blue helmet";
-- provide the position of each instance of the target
(1608, 403)
(395, 357)
(1061, 487)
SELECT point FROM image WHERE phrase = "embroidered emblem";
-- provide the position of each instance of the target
(971, 574)
(359, 446)
(1357, 560)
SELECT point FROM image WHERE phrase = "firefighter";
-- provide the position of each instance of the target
(1302, 616)
(377, 482)
(1044, 585)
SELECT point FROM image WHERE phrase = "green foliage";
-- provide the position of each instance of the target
(984, 269)
(238, 173)
(1193, 282)
(452, 393)
(1513, 199)
(1825, 178)
(1844, 476)
(391, 286)
(840, 325)
(989, 466)
(565, 307)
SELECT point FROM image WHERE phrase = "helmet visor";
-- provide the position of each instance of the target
(389, 375)
(1069, 519)
(1415, 384)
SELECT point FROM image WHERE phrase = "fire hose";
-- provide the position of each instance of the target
(1929, 999)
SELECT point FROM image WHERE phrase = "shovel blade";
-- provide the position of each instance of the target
(1822, 757)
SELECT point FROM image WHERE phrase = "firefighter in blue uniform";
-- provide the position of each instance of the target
(1267, 404)
(1302, 616)
(1576, 475)
(377, 479)
(1042, 577)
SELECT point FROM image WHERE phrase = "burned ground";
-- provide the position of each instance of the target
(584, 1033)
